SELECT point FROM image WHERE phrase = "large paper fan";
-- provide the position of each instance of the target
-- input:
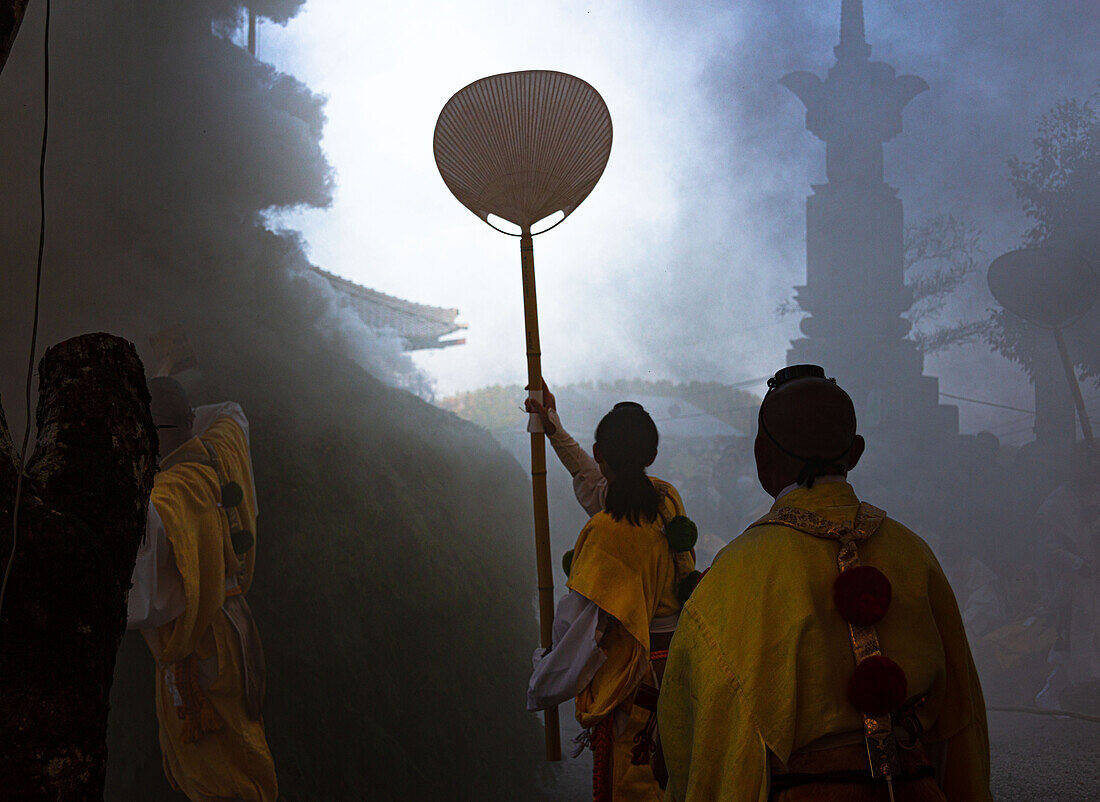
(523, 145)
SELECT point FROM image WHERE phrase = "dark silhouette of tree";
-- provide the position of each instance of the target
(1059, 189)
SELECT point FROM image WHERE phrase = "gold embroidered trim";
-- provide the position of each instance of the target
(868, 519)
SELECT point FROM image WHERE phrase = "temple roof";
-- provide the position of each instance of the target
(419, 325)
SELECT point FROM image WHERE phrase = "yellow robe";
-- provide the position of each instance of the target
(232, 761)
(630, 573)
(761, 658)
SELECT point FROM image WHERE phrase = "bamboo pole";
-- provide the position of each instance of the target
(538, 481)
(1074, 387)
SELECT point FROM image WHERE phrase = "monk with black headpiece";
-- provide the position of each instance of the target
(823, 655)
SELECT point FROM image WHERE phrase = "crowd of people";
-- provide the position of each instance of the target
(828, 652)
(1015, 529)
(824, 651)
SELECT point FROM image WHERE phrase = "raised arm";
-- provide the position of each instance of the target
(589, 483)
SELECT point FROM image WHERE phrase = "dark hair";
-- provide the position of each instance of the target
(627, 438)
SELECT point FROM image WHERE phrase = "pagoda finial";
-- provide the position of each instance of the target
(853, 42)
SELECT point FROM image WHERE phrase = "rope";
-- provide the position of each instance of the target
(37, 298)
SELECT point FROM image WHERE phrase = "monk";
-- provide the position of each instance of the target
(187, 599)
(611, 631)
(823, 655)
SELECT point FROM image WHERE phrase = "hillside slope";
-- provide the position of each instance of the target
(393, 594)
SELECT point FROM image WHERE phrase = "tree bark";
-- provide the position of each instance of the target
(81, 519)
(11, 17)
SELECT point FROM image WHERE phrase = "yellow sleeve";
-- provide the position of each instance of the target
(713, 751)
(966, 772)
(605, 576)
(186, 497)
(962, 723)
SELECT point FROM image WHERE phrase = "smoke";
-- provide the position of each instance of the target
(380, 352)
(168, 147)
(387, 526)
(993, 69)
(674, 266)
(748, 162)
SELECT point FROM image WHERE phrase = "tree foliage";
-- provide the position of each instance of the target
(1059, 189)
(940, 256)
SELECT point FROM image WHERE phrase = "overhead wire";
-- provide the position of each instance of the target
(520, 423)
(37, 300)
(985, 403)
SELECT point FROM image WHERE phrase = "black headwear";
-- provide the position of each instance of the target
(812, 467)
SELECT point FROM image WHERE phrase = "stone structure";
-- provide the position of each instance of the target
(855, 291)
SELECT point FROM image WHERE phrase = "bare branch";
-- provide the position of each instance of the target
(940, 255)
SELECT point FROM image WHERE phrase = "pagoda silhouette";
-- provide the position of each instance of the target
(855, 291)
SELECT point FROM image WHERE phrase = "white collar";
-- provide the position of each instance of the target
(821, 480)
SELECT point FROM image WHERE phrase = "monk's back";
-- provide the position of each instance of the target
(763, 657)
(802, 647)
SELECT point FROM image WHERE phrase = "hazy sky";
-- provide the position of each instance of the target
(388, 72)
(674, 266)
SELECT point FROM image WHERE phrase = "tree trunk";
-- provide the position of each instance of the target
(81, 519)
(11, 17)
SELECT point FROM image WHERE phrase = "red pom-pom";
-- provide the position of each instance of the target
(878, 686)
(862, 595)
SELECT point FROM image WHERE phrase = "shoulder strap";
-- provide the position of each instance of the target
(881, 744)
(240, 540)
(662, 487)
